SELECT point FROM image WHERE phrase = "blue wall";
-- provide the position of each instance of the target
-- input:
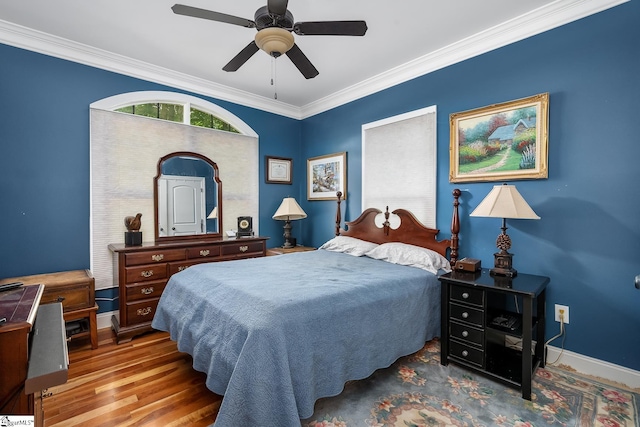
(588, 240)
(44, 162)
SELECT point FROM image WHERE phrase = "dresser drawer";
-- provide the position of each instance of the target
(467, 295)
(241, 249)
(139, 291)
(146, 273)
(203, 252)
(177, 267)
(466, 333)
(142, 311)
(157, 256)
(466, 314)
(467, 353)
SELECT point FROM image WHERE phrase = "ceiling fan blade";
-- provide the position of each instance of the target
(277, 7)
(241, 57)
(330, 28)
(300, 60)
(181, 9)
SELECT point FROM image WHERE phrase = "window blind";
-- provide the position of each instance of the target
(399, 164)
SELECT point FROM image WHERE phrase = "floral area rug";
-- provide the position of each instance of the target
(417, 391)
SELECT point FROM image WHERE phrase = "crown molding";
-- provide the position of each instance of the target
(535, 22)
(47, 44)
(545, 18)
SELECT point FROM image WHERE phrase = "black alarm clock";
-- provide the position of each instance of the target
(245, 226)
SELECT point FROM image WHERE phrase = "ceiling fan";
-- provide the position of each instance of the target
(275, 24)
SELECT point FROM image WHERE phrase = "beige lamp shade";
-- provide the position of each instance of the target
(289, 210)
(213, 214)
(504, 201)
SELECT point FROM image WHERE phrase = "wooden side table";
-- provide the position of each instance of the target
(75, 290)
(283, 251)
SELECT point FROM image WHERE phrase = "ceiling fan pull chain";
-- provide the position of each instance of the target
(274, 78)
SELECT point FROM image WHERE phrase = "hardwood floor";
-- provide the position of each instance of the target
(145, 382)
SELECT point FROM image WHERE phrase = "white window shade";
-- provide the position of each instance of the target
(399, 157)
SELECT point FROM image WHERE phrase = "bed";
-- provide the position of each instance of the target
(275, 334)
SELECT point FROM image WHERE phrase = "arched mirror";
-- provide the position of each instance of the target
(187, 198)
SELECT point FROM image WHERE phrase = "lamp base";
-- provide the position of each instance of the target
(503, 265)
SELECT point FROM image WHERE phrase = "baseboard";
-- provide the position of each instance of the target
(104, 319)
(583, 364)
(594, 367)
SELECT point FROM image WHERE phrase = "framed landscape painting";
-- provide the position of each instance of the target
(327, 175)
(501, 142)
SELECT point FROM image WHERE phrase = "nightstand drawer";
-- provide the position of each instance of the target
(467, 353)
(467, 295)
(466, 314)
(466, 333)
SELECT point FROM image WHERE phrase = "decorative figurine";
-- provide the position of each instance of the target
(133, 235)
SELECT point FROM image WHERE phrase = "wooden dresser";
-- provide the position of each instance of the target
(142, 273)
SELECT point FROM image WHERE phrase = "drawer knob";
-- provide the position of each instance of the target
(465, 295)
(243, 248)
(147, 291)
(146, 273)
(158, 257)
(465, 334)
(465, 353)
(60, 298)
(465, 315)
(183, 267)
(143, 311)
(204, 252)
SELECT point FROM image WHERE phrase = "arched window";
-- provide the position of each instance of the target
(175, 107)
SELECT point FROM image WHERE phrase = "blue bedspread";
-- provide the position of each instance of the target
(274, 334)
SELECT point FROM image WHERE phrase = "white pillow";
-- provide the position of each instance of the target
(348, 245)
(413, 256)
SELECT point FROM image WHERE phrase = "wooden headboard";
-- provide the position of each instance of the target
(410, 231)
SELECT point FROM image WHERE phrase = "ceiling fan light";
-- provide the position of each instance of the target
(275, 41)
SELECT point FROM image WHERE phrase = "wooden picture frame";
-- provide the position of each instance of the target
(326, 175)
(500, 142)
(278, 170)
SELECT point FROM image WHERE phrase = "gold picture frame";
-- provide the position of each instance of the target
(500, 142)
(327, 175)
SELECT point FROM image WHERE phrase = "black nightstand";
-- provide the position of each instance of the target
(488, 325)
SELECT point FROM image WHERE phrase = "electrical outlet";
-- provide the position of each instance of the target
(565, 313)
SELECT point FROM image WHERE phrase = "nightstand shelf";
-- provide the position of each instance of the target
(489, 325)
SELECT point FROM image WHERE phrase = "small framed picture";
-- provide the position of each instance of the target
(278, 170)
(327, 175)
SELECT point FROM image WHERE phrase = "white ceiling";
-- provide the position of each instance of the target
(405, 39)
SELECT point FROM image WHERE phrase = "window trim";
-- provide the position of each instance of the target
(115, 102)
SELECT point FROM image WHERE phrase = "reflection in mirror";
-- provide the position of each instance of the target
(187, 197)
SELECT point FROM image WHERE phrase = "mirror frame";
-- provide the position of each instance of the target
(216, 177)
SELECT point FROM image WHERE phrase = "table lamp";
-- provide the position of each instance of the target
(504, 201)
(289, 210)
